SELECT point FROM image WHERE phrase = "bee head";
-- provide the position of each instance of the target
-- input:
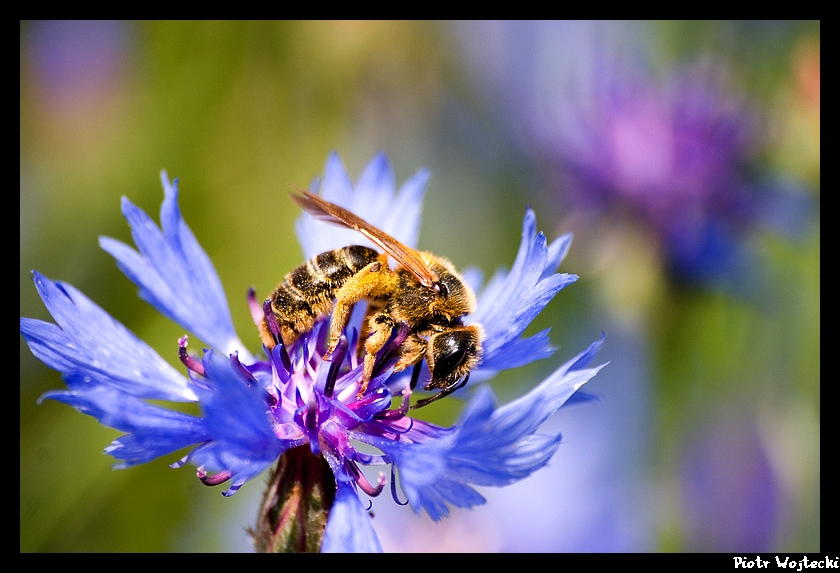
(451, 354)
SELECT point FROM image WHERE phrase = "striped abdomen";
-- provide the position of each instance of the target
(307, 292)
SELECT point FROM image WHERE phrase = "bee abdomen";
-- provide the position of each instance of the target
(328, 271)
(307, 292)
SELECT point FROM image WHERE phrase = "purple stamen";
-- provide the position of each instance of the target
(271, 322)
(401, 412)
(338, 358)
(362, 481)
(394, 488)
(240, 368)
(254, 307)
(391, 350)
(246, 375)
(215, 479)
(281, 364)
(187, 360)
(310, 418)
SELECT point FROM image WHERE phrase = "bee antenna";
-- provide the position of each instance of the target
(445, 392)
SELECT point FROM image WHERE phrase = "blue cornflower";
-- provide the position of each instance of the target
(290, 407)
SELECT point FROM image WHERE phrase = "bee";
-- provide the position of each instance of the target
(424, 293)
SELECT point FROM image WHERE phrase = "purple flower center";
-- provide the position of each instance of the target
(312, 400)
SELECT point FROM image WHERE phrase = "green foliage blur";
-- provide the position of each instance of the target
(238, 111)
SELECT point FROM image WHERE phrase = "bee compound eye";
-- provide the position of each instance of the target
(446, 364)
(451, 351)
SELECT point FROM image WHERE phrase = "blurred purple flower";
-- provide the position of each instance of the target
(678, 153)
(659, 149)
(671, 153)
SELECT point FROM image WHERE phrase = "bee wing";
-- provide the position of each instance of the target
(407, 257)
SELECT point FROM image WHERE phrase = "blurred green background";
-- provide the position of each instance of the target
(239, 110)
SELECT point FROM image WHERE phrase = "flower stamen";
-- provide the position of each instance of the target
(363, 482)
(281, 364)
(254, 307)
(187, 360)
(400, 412)
(337, 359)
(271, 321)
(394, 495)
(215, 479)
(241, 370)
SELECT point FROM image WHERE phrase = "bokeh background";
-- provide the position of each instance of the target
(684, 157)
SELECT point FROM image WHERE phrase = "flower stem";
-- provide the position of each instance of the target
(296, 504)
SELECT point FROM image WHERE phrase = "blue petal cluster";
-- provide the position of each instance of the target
(254, 408)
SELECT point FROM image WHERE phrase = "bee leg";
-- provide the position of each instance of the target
(374, 307)
(415, 376)
(411, 352)
(373, 281)
(380, 326)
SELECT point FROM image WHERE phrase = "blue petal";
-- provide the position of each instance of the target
(317, 237)
(491, 453)
(489, 447)
(510, 302)
(240, 437)
(524, 415)
(430, 476)
(377, 201)
(349, 528)
(374, 198)
(557, 251)
(85, 340)
(174, 273)
(152, 431)
(337, 185)
(375, 186)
